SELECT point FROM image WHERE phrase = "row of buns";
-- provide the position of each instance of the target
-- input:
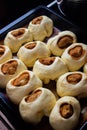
(61, 59)
(38, 29)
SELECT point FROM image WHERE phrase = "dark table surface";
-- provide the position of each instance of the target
(11, 10)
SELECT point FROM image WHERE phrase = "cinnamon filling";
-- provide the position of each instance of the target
(65, 41)
(2, 50)
(47, 61)
(74, 78)
(37, 20)
(76, 52)
(9, 67)
(21, 80)
(18, 33)
(33, 96)
(66, 110)
(30, 45)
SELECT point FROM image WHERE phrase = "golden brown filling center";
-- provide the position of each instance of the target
(30, 45)
(47, 61)
(66, 110)
(37, 20)
(21, 80)
(74, 78)
(2, 50)
(9, 67)
(76, 52)
(65, 41)
(33, 96)
(18, 33)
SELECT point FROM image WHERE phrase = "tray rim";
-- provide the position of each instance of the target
(17, 22)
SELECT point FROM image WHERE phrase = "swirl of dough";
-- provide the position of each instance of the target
(60, 42)
(36, 105)
(5, 53)
(19, 86)
(9, 69)
(15, 38)
(75, 56)
(49, 68)
(65, 114)
(72, 84)
(41, 27)
(36, 49)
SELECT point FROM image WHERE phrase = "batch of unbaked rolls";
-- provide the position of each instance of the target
(27, 63)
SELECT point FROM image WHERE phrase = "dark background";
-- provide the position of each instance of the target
(11, 10)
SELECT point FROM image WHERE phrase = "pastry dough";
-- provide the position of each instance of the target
(41, 27)
(10, 69)
(5, 53)
(49, 68)
(75, 56)
(65, 114)
(72, 84)
(15, 38)
(85, 68)
(36, 105)
(61, 41)
(31, 51)
(21, 85)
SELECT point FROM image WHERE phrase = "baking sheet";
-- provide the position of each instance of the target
(61, 24)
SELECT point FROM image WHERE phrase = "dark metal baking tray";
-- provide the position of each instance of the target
(60, 22)
(6, 106)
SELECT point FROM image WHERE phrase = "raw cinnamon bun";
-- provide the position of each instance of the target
(61, 41)
(21, 85)
(41, 27)
(65, 114)
(10, 69)
(15, 38)
(75, 56)
(31, 51)
(72, 84)
(36, 105)
(49, 68)
(5, 53)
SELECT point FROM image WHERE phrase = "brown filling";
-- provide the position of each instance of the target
(33, 96)
(74, 78)
(21, 80)
(47, 61)
(37, 20)
(65, 41)
(30, 45)
(2, 50)
(66, 110)
(76, 52)
(18, 33)
(9, 67)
